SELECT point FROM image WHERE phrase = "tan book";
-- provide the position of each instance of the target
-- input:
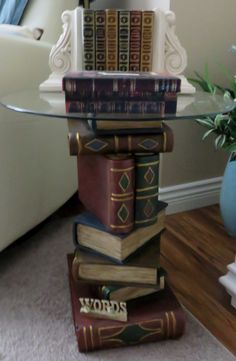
(91, 234)
(143, 269)
(146, 40)
(111, 39)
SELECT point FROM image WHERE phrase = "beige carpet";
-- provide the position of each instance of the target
(35, 313)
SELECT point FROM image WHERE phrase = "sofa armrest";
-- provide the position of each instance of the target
(24, 62)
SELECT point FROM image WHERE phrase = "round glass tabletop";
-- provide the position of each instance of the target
(51, 104)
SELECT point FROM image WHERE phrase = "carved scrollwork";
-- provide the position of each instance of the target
(175, 54)
(60, 55)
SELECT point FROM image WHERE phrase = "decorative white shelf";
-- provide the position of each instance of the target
(67, 54)
(229, 282)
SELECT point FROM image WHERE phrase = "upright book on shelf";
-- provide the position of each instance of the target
(160, 317)
(88, 39)
(111, 39)
(147, 40)
(100, 39)
(135, 39)
(124, 40)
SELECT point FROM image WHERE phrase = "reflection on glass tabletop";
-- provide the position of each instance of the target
(51, 104)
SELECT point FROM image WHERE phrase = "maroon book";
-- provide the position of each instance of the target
(152, 319)
(83, 141)
(106, 188)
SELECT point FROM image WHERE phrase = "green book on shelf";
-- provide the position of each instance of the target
(146, 189)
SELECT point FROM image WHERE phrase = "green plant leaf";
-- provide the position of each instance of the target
(230, 147)
(206, 122)
(219, 141)
(207, 133)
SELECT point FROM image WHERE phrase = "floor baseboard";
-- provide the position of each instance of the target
(187, 196)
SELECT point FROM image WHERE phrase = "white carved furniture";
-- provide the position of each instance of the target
(229, 282)
(67, 54)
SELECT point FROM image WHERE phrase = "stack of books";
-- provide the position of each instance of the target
(116, 263)
(102, 92)
(118, 39)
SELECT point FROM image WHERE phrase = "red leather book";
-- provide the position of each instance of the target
(106, 188)
(158, 317)
(84, 141)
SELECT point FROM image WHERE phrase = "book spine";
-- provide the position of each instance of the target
(168, 325)
(119, 106)
(106, 188)
(89, 39)
(119, 95)
(146, 189)
(111, 39)
(135, 39)
(120, 211)
(124, 34)
(100, 39)
(134, 127)
(143, 143)
(146, 42)
(125, 88)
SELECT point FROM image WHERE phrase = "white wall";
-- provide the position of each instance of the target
(207, 30)
(131, 4)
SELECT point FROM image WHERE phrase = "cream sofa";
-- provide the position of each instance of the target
(36, 173)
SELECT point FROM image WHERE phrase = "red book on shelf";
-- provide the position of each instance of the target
(158, 317)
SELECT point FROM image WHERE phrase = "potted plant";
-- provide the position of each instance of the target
(223, 126)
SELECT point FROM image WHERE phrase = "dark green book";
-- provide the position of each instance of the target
(146, 189)
(122, 293)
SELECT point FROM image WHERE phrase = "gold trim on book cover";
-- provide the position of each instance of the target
(146, 220)
(141, 325)
(146, 189)
(121, 169)
(174, 322)
(122, 195)
(148, 196)
(78, 142)
(167, 324)
(94, 141)
(164, 141)
(124, 226)
(121, 200)
(121, 329)
(85, 338)
(91, 335)
(147, 164)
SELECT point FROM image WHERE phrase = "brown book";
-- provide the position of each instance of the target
(135, 39)
(106, 188)
(143, 269)
(146, 41)
(160, 317)
(84, 141)
(111, 39)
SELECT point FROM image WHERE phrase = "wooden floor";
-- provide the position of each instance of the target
(195, 250)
